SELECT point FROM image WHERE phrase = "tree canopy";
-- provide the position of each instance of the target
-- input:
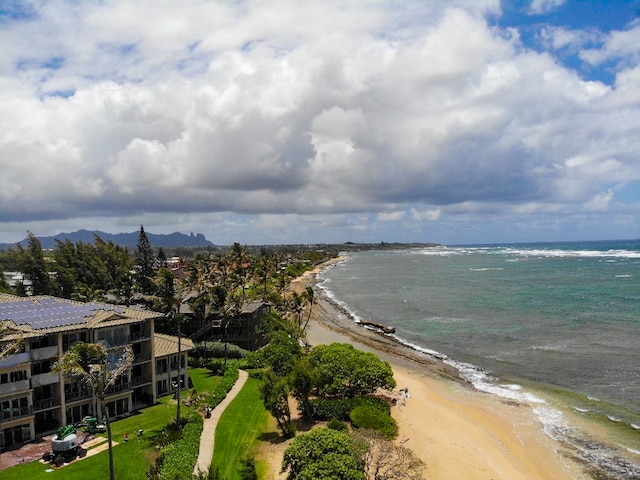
(342, 370)
(145, 263)
(324, 454)
(32, 263)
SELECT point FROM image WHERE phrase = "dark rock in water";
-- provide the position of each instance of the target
(378, 327)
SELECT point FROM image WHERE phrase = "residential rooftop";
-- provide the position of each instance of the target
(24, 317)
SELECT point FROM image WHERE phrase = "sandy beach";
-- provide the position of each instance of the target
(457, 431)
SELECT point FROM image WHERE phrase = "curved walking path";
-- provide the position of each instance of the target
(207, 437)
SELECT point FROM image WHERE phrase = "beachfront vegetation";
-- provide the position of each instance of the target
(275, 395)
(324, 453)
(334, 383)
(341, 370)
(386, 460)
(280, 354)
(336, 453)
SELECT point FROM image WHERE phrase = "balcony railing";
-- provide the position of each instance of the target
(142, 357)
(14, 387)
(114, 341)
(141, 380)
(44, 379)
(16, 359)
(45, 403)
(14, 413)
(77, 396)
(139, 336)
(120, 387)
(44, 353)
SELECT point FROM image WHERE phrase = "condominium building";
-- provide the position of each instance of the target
(34, 401)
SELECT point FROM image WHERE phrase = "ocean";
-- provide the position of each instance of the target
(555, 325)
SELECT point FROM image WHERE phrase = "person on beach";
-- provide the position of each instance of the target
(404, 395)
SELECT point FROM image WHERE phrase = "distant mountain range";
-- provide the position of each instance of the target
(130, 240)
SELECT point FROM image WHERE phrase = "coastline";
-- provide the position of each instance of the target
(457, 431)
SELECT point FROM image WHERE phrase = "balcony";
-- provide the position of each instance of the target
(44, 379)
(44, 353)
(76, 396)
(8, 414)
(14, 387)
(119, 388)
(142, 380)
(142, 357)
(46, 403)
(114, 341)
(15, 360)
(139, 336)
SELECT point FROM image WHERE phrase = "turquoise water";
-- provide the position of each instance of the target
(559, 317)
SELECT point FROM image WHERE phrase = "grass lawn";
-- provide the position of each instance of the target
(132, 459)
(203, 379)
(242, 423)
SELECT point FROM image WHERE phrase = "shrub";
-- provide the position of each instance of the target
(248, 470)
(209, 350)
(323, 454)
(217, 366)
(180, 456)
(337, 425)
(368, 416)
(340, 409)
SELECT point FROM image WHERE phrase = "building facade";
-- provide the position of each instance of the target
(34, 401)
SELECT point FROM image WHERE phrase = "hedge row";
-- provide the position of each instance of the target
(180, 457)
(339, 409)
(369, 417)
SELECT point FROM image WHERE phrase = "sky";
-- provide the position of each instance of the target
(282, 121)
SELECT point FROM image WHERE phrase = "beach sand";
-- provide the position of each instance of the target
(457, 431)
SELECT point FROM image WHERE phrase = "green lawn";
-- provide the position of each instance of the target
(239, 429)
(203, 379)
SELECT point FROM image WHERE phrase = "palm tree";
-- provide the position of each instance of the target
(88, 363)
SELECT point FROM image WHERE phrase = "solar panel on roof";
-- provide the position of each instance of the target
(50, 312)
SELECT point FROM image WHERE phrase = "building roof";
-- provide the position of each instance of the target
(251, 307)
(24, 317)
(168, 345)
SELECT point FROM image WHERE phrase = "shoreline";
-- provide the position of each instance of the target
(457, 430)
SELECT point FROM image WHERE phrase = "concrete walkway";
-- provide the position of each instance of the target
(209, 428)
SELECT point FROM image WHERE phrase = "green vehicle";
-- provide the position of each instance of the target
(64, 447)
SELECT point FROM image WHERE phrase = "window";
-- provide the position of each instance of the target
(161, 365)
(42, 342)
(15, 435)
(77, 413)
(118, 407)
(162, 387)
(11, 377)
(72, 338)
(16, 407)
(41, 367)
